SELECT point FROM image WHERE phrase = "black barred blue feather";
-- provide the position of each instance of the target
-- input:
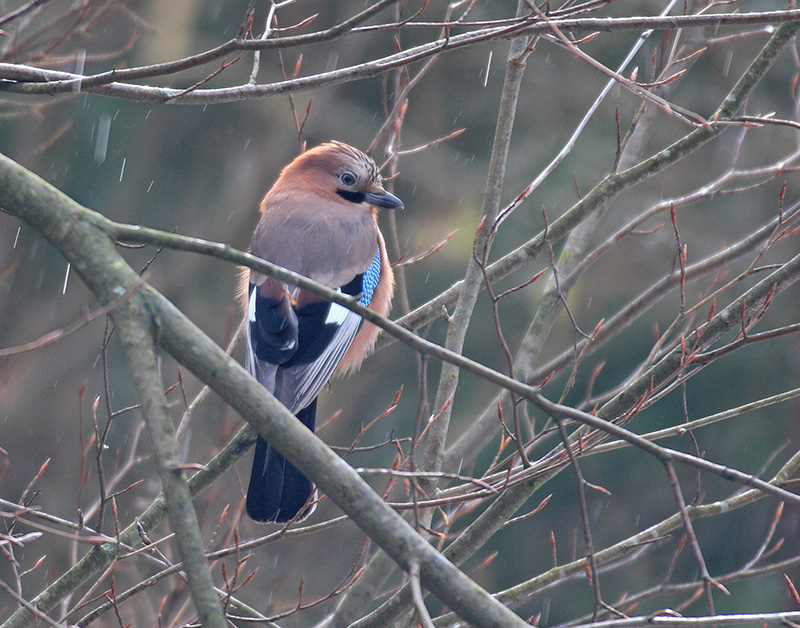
(370, 279)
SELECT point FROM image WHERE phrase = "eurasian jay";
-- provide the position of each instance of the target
(319, 220)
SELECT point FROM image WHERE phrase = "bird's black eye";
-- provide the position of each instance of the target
(347, 178)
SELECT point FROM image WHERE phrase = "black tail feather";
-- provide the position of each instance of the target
(278, 491)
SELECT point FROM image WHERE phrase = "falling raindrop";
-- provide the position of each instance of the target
(80, 60)
(728, 58)
(150, 187)
(488, 66)
(545, 611)
(122, 170)
(66, 278)
(333, 59)
(101, 144)
(16, 238)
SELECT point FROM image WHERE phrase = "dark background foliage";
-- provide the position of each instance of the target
(201, 170)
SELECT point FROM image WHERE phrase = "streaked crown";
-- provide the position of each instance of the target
(335, 168)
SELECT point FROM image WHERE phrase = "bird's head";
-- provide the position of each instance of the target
(337, 168)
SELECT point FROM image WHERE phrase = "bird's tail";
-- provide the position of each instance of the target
(278, 491)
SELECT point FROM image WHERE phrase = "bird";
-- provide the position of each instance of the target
(319, 219)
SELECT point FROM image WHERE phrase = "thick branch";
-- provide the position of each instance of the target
(94, 258)
(101, 556)
(132, 325)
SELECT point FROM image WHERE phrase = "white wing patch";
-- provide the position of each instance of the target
(336, 314)
(301, 384)
(251, 306)
(297, 386)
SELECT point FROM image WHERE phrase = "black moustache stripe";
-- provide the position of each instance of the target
(353, 197)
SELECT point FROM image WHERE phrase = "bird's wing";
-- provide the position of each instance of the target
(300, 381)
(294, 351)
(272, 331)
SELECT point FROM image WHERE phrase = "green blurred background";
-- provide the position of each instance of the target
(202, 170)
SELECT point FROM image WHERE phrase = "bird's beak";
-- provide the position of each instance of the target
(383, 199)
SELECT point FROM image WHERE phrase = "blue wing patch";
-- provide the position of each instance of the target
(365, 283)
(370, 279)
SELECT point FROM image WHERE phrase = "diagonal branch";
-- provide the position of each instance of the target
(95, 259)
(132, 323)
(30, 80)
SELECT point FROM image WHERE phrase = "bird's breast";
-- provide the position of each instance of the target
(330, 245)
